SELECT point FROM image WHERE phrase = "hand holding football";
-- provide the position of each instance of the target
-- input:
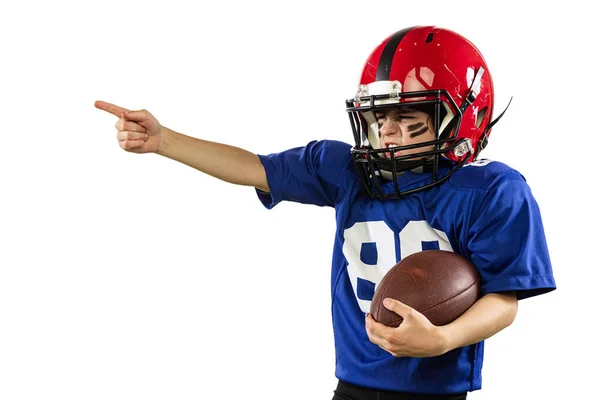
(440, 284)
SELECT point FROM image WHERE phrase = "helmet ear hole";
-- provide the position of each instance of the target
(480, 116)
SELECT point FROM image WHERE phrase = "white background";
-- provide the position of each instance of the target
(126, 276)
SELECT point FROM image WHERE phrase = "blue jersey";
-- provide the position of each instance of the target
(485, 212)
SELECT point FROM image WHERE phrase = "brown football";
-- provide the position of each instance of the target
(440, 284)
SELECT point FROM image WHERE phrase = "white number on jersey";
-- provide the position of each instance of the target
(380, 239)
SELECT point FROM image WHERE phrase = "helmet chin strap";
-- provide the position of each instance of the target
(420, 166)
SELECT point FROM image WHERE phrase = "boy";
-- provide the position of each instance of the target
(420, 117)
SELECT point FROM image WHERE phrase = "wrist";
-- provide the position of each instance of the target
(446, 342)
(165, 135)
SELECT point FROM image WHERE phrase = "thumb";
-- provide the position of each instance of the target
(137, 116)
(398, 307)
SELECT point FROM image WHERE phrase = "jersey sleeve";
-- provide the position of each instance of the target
(507, 242)
(308, 174)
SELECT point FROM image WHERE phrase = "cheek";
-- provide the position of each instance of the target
(427, 136)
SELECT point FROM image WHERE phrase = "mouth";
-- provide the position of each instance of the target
(391, 146)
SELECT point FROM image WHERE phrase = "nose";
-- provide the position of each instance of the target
(388, 128)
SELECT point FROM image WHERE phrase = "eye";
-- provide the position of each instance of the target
(402, 113)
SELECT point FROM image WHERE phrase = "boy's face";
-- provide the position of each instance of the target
(404, 126)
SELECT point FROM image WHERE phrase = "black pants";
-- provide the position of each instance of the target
(346, 391)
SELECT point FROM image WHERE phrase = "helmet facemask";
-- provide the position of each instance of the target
(370, 157)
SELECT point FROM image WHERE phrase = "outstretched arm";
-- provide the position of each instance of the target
(228, 163)
(140, 132)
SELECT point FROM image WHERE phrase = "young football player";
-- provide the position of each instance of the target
(410, 182)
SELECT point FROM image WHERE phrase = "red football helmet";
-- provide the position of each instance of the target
(428, 69)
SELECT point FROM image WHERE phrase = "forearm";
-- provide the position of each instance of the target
(488, 316)
(228, 163)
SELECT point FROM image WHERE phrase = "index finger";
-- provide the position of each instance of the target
(111, 108)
